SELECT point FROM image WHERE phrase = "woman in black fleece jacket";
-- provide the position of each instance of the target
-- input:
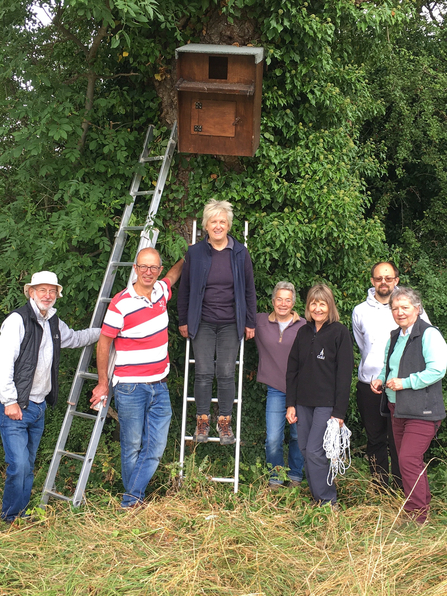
(319, 374)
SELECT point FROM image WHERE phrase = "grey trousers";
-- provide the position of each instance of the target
(311, 428)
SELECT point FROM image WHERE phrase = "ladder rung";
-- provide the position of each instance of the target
(153, 158)
(83, 415)
(142, 193)
(210, 439)
(72, 455)
(121, 264)
(107, 300)
(193, 362)
(58, 495)
(130, 228)
(87, 375)
(223, 479)
(213, 399)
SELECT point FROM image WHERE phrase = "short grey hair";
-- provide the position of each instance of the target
(284, 285)
(213, 208)
(410, 294)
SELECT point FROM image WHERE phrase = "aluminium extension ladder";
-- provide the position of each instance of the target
(148, 238)
(237, 401)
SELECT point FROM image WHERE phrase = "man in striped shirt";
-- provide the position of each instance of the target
(137, 323)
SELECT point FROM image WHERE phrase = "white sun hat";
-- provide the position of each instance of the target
(43, 277)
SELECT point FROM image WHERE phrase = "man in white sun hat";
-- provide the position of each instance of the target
(31, 338)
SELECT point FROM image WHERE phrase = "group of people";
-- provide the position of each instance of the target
(306, 364)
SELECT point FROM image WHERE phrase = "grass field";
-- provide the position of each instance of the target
(203, 539)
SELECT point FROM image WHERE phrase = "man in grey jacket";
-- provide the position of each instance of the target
(372, 323)
(30, 342)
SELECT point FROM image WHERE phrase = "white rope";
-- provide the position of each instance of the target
(336, 446)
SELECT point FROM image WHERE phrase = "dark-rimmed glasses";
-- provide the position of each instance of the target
(153, 268)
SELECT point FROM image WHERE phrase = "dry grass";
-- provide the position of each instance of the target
(207, 541)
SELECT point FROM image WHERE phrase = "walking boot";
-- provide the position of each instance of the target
(225, 431)
(202, 429)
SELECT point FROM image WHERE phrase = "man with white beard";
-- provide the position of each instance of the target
(30, 342)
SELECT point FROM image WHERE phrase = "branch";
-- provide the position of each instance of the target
(58, 24)
(102, 32)
(123, 74)
(88, 106)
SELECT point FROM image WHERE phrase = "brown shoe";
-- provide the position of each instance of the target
(225, 431)
(202, 429)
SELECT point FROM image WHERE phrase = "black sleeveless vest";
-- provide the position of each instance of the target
(25, 365)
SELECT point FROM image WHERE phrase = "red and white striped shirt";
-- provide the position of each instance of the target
(139, 327)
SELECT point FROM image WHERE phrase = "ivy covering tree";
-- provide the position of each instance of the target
(350, 169)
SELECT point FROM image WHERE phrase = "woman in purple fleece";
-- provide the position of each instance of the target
(275, 334)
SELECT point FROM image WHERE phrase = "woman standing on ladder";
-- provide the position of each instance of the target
(216, 305)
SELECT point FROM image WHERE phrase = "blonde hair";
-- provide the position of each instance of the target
(213, 208)
(324, 293)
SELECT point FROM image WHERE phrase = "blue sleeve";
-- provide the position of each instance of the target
(183, 293)
(250, 293)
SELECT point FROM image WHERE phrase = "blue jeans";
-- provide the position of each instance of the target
(20, 440)
(220, 341)
(144, 413)
(275, 418)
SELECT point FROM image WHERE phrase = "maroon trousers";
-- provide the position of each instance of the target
(413, 438)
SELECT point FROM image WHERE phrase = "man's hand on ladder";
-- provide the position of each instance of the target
(99, 392)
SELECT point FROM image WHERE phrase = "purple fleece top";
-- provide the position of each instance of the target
(274, 348)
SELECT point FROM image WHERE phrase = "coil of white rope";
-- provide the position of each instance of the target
(336, 446)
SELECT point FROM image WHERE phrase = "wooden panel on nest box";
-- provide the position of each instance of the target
(219, 99)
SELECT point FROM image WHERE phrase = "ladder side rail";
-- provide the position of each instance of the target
(91, 452)
(239, 397)
(147, 142)
(239, 416)
(185, 407)
(120, 239)
(186, 378)
(57, 456)
(101, 306)
(162, 177)
(95, 436)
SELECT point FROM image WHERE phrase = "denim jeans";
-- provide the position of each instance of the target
(20, 440)
(220, 341)
(144, 413)
(275, 418)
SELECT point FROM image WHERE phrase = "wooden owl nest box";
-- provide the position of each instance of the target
(219, 99)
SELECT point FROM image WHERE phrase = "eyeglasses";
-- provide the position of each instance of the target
(153, 268)
(44, 292)
(284, 300)
(388, 279)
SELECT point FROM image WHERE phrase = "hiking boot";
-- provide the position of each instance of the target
(202, 429)
(294, 483)
(224, 429)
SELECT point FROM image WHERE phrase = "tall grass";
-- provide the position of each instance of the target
(205, 540)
